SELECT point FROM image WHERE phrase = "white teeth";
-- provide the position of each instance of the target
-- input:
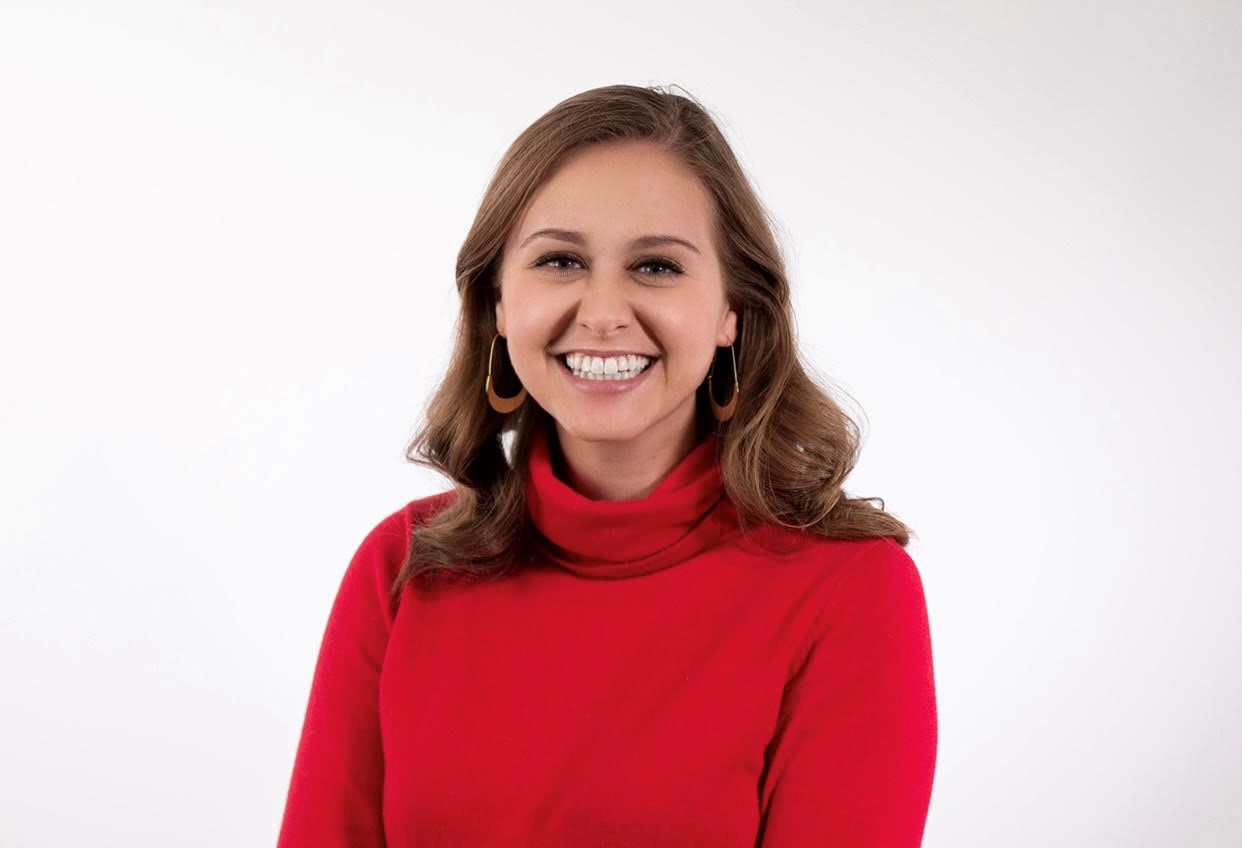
(622, 367)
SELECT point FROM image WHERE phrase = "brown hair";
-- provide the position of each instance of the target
(785, 452)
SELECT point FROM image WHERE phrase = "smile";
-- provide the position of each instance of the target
(588, 374)
(622, 367)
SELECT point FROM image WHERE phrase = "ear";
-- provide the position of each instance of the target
(728, 329)
(500, 315)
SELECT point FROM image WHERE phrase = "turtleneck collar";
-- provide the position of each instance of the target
(612, 539)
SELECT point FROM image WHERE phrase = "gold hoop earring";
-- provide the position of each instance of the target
(498, 403)
(723, 413)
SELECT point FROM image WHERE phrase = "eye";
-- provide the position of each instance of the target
(555, 257)
(669, 265)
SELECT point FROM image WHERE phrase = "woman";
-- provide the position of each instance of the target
(646, 614)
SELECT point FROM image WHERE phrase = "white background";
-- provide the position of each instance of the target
(227, 238)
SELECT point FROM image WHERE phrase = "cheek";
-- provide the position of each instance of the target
(531, 325)
(531, 338)
(690, 339)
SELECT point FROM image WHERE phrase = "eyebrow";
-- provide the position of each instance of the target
(577, 238)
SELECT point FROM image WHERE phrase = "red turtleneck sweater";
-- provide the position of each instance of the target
(656, 679)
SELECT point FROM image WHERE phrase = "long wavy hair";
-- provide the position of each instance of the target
(783, 455)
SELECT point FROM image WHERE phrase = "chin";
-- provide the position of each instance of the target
(598, 431)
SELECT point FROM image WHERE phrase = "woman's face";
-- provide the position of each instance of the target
(630, 268)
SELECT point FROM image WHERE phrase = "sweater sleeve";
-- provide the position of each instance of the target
(335, 793)
(853, 755)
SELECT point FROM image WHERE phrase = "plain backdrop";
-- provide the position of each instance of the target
(227, 240)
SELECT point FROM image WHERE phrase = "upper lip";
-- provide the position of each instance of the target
(603, 354)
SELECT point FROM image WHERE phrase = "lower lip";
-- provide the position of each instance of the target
(603, 387)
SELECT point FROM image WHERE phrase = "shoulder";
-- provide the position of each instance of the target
(420, 510)
(872, 572)
(828, 561)
(379, 556)
(866, 591)
(877, 565)
(402, 521)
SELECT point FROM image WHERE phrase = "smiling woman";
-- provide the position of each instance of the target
(619, 437)
(655, 617)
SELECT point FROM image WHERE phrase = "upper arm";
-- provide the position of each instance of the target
(335, 793)
(853, 756)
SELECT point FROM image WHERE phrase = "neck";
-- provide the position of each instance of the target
(627, 470)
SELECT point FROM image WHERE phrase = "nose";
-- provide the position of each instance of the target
(604, 307)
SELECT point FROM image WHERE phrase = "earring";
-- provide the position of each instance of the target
(723, 413)
(500, 404)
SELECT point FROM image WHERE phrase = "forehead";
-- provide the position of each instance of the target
(619, 191)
